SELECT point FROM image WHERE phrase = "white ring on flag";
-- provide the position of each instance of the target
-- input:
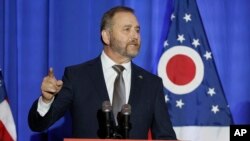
(199, 72)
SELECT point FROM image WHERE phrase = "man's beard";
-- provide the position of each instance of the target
(126, 51)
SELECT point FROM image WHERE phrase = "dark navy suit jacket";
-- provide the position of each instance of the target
(84, 91)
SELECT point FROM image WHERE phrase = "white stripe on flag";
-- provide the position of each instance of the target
(7, 119)
(203, 133)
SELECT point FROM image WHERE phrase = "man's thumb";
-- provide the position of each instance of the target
(51, 72)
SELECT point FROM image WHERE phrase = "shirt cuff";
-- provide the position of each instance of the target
(42, 107)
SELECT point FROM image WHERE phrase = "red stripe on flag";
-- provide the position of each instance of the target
(4, 134)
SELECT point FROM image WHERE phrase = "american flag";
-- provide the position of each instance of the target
(7, 125)
(193, 92)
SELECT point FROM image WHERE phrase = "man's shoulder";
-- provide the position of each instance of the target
(145, 73)
(84, 66)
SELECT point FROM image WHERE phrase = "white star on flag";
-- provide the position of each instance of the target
(172, 17)
(166, 43)
(196, 42)
(187, 17)
(215, 109)
(166, 98)
(211, 91)
(181, 38)
(179, 103)
(208, 55)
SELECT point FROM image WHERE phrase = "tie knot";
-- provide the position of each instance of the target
(118, 68)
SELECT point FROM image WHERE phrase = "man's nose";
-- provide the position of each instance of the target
(135, 34)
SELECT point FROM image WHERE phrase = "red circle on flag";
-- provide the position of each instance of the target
(180, 69)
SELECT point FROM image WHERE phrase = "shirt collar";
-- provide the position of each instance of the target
(108, 63)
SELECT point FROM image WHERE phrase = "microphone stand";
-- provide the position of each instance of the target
(126, 127)
(124, 121)
(106, 109)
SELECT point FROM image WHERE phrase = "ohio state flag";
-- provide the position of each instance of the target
(7, 125)
(193, 92)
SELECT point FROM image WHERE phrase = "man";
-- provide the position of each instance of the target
(84, 87)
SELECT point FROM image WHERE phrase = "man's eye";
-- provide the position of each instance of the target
(126, 29)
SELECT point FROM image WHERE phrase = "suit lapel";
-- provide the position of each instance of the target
(97, 78)
(136, 85)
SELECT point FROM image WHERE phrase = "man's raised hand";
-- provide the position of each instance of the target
(50, 86)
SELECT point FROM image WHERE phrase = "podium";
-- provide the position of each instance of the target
(72, 139)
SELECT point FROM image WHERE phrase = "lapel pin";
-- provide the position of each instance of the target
(140, 76)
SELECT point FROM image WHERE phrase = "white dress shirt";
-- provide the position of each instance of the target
(109, 77)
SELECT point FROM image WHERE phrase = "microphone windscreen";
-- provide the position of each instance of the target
(126, 109)
(106, 106)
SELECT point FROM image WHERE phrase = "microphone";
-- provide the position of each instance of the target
(125, 120)
(106, 109)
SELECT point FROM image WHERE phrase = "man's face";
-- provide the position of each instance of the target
(125, 37)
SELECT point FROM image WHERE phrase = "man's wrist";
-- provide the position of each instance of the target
(42, 107)
(46, 100)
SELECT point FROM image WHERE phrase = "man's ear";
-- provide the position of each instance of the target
(105, 37)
